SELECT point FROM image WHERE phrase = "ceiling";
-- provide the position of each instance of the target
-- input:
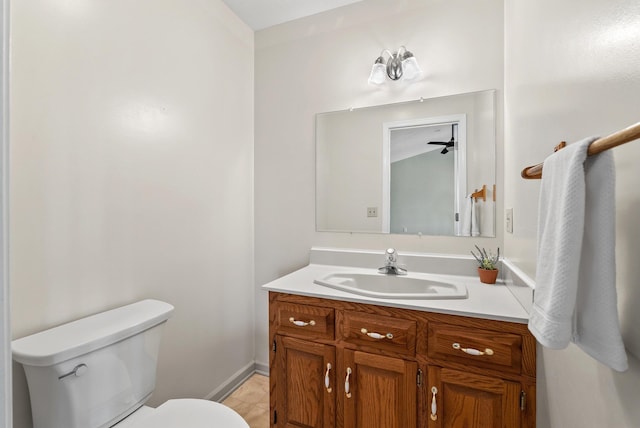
(412, 141)
(260, 14)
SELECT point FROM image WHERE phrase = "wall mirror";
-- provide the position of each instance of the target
(409, 168)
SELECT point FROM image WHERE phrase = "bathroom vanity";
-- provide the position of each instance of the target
(345, 360)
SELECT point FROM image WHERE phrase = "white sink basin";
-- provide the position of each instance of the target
(411, 286)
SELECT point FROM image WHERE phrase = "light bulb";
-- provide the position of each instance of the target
(378, 73)
(411, 69)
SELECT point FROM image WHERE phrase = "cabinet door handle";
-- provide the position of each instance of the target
(434, 404)
(374, 335)
(299, 323)
(327, 384)
(472, 351)
(347, 389)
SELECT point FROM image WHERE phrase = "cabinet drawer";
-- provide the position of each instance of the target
(482, 348)
(380, 332)
(305, 321)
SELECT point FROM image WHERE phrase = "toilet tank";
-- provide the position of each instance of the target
(95, 371)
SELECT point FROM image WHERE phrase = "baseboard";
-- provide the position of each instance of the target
(224, 390)
(237, 379)
(262, 368)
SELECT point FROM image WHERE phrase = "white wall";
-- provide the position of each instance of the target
(572, 70)
(321, 64)
(421, 195)
(131, 176)
(350, 176)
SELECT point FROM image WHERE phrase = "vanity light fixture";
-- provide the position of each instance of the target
(400, 65)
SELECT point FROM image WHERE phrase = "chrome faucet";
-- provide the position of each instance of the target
(390, 266)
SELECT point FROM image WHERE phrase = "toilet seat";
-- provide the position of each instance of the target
(188, 413)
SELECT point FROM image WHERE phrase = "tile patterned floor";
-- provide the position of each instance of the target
(251, 401)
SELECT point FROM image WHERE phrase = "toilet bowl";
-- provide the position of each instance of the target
(97, 372)
(185, 412)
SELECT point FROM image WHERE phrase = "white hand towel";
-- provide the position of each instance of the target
(575, 297)
(469, 218)
(475, 218)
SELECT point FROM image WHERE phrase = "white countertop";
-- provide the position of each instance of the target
(494, 302)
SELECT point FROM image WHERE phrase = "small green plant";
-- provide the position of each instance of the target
(486, 259)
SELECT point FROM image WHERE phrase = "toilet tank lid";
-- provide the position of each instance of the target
(76, 338)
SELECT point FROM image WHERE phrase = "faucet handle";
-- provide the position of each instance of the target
(391, 255)
(390, 267)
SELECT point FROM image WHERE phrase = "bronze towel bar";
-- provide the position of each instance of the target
(623, 136)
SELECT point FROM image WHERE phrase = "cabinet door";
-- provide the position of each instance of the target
(381, 391)
(457, 399)
(304, 369)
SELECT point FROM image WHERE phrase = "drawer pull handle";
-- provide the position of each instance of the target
(434, 404)
(347, 389)
(375, 335)
(326, 379)
(299, 323)
(472, 351)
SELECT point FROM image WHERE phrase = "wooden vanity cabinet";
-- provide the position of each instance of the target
(466, 399)
(303, 359)
(382, 391)
(337, 364)
(300, 369)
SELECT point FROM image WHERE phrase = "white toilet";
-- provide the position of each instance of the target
(97, 372)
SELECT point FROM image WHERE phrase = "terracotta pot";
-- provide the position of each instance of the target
(488, 276)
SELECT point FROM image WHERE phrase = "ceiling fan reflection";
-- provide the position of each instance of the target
(446, 144)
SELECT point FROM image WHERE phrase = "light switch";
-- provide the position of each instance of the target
(508, 219)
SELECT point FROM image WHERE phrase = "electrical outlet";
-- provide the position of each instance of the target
(372, 212)
(508, 219)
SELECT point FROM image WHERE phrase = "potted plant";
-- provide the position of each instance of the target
(487, 265)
